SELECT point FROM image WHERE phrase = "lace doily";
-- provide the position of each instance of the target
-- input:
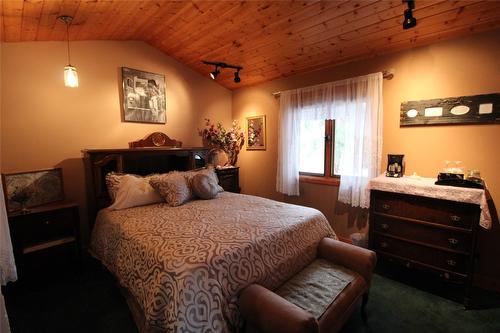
(425, 187)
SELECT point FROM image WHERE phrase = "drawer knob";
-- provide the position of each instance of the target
(384, 226)
(453, 241)
(47, 222)
(407, 264)
(445, 275)
(451, 262)
(386, 207)
(384, 245)
(455, 218)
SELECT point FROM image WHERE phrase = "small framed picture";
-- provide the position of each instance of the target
(144, 99)
(32, 188)
(256, 133)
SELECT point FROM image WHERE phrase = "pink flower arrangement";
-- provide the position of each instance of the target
(231, 140)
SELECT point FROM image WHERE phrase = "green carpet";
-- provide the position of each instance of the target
(396, 307)
(89, 301)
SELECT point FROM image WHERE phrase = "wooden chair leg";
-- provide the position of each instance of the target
(363, 307)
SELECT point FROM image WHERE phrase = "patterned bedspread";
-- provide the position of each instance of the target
(185, 265)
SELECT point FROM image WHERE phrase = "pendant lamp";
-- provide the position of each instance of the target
(70, 73)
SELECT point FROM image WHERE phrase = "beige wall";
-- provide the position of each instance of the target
(45, 124)
(466, 66)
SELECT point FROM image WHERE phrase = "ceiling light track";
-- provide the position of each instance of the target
(219, 65)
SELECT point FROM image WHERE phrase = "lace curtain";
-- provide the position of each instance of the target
(7, 265)
(356, 106)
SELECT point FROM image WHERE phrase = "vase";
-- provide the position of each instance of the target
(232, 157)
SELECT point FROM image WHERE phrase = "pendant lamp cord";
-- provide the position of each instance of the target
(67, 35)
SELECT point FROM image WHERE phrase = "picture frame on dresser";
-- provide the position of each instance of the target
(28, 189)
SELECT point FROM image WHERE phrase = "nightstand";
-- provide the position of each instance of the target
(44, 236)
(229, 179)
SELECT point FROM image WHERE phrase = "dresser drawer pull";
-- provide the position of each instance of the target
(384, 226)
(47, 222)
(451, 262)
(455, 218)
(453, 241)
(386, 207)
(407, 264)
(384, 245)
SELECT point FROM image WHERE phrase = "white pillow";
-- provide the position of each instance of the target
(134, 191)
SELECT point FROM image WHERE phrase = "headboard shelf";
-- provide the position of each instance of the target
(140, 161)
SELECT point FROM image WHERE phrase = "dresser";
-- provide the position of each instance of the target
(45, 235)
(229, 179)
(429, 234)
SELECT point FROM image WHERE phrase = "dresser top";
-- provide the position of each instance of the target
(425, 187)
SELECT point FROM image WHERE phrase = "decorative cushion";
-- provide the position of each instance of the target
(134, 191)
(204, 186)
(173, 187)
(209, 171)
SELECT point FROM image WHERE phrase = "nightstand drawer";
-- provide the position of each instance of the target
(229, 179)
(423, 233)
(49, 225)
(423, 254)
(460, 215)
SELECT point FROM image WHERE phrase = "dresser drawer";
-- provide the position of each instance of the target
(423, 254)
(461, 215)
(44, 226)
(418, 232)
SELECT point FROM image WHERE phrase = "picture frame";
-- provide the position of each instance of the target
(144, 97)
(256, 132)
(28, 189)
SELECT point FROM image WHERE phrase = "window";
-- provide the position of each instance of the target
(320, 151)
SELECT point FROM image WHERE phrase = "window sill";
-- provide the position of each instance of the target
(330, 181)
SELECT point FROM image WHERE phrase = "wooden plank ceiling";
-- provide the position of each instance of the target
(270, 39)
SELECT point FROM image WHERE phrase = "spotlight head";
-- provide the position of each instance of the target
(409, 21)
(213, 75)
(237, 76)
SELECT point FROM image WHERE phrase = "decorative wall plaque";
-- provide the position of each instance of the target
(478, 109)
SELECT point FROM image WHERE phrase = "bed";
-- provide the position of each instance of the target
(184, 266)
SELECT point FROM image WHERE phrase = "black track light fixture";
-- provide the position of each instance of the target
(409, 20)
(218, 65)
(237, 76)
(214, 74)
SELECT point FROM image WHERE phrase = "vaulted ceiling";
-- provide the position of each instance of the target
(270, 39)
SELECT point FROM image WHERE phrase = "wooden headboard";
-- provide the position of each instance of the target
(139, 161)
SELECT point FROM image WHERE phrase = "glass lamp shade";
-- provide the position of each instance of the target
(70, 77)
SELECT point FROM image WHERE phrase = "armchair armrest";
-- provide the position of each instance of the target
(360, 260)
(270, 313)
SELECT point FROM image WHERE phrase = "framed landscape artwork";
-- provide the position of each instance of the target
(256, 133)
(144, 98)
(32, 188)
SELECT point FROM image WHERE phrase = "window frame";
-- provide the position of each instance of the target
(328, 177)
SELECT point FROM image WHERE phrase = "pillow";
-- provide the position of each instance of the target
(209, 171)
(173, 187)
(113, 180)
(134, 191)
(204, 186)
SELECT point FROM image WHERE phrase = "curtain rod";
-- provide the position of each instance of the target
(387, 74)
